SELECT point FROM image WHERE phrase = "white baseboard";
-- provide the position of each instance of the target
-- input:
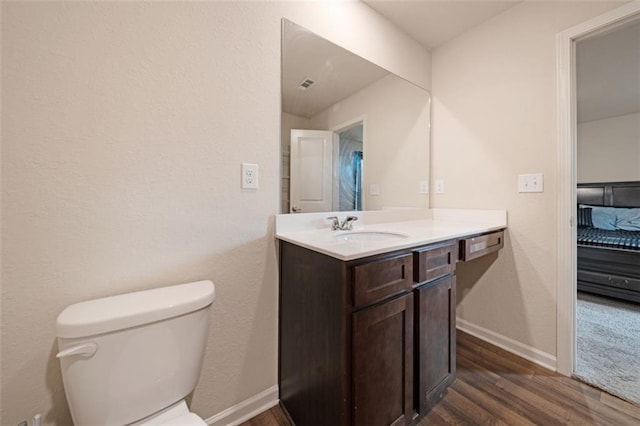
(246, 409)
(544, 359)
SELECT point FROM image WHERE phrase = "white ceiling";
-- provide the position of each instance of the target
(434, 22)
(608, 74)
(608, 64)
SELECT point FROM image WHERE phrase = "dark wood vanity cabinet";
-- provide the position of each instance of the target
(382, 363)
(435, 323)
(435, 337)
(365, 342)
(382, 340)
(314, 353)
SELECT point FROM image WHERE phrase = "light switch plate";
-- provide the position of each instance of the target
(374, 189)
(424, 186)
(532, 182)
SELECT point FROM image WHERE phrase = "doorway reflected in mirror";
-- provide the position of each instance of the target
(349, 169)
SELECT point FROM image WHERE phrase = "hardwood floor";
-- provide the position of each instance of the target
(496, 387)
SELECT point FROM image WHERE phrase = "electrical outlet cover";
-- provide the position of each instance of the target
(249, 176)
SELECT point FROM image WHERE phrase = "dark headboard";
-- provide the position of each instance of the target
(613, 194)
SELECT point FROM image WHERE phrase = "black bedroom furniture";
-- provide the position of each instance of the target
(608, 256)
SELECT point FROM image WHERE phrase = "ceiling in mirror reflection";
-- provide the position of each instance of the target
(336, 72)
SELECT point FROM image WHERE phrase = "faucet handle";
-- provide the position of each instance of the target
(335, 223)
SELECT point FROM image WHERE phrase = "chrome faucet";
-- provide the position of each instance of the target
(345, 225)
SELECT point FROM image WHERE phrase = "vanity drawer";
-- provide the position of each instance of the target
(434, 261)
(380, 279)
(474, 247)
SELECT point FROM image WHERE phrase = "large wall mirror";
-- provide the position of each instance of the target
(354, 135)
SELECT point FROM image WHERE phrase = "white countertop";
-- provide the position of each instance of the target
(418, 227)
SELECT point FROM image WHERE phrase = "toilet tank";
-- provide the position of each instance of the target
(126, 357)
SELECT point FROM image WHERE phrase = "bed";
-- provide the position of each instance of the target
(608, 238)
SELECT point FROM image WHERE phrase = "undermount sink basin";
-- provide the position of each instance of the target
(370, 236)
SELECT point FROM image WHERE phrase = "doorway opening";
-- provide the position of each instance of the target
(568, 174)
(348, 168)
(608, 190)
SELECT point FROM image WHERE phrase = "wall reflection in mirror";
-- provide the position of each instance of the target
(354, 136)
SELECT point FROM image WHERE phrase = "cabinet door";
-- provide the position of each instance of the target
(383, 363)
(435, 334)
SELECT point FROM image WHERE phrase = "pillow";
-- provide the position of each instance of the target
(584, 217)
(603, 217)
(612, 218)
(628, 219)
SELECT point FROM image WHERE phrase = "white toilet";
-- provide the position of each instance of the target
(131, 359)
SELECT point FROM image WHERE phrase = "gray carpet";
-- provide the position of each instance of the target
(608, 347)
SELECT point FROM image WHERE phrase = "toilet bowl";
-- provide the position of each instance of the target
(131, 359)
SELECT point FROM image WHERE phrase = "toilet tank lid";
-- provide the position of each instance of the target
(132, 309)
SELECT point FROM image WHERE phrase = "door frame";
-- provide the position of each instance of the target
(566, 271)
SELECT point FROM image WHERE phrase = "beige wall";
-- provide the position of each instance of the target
(608, 150)
(494, 117)
(396, 139)
(124, 126)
